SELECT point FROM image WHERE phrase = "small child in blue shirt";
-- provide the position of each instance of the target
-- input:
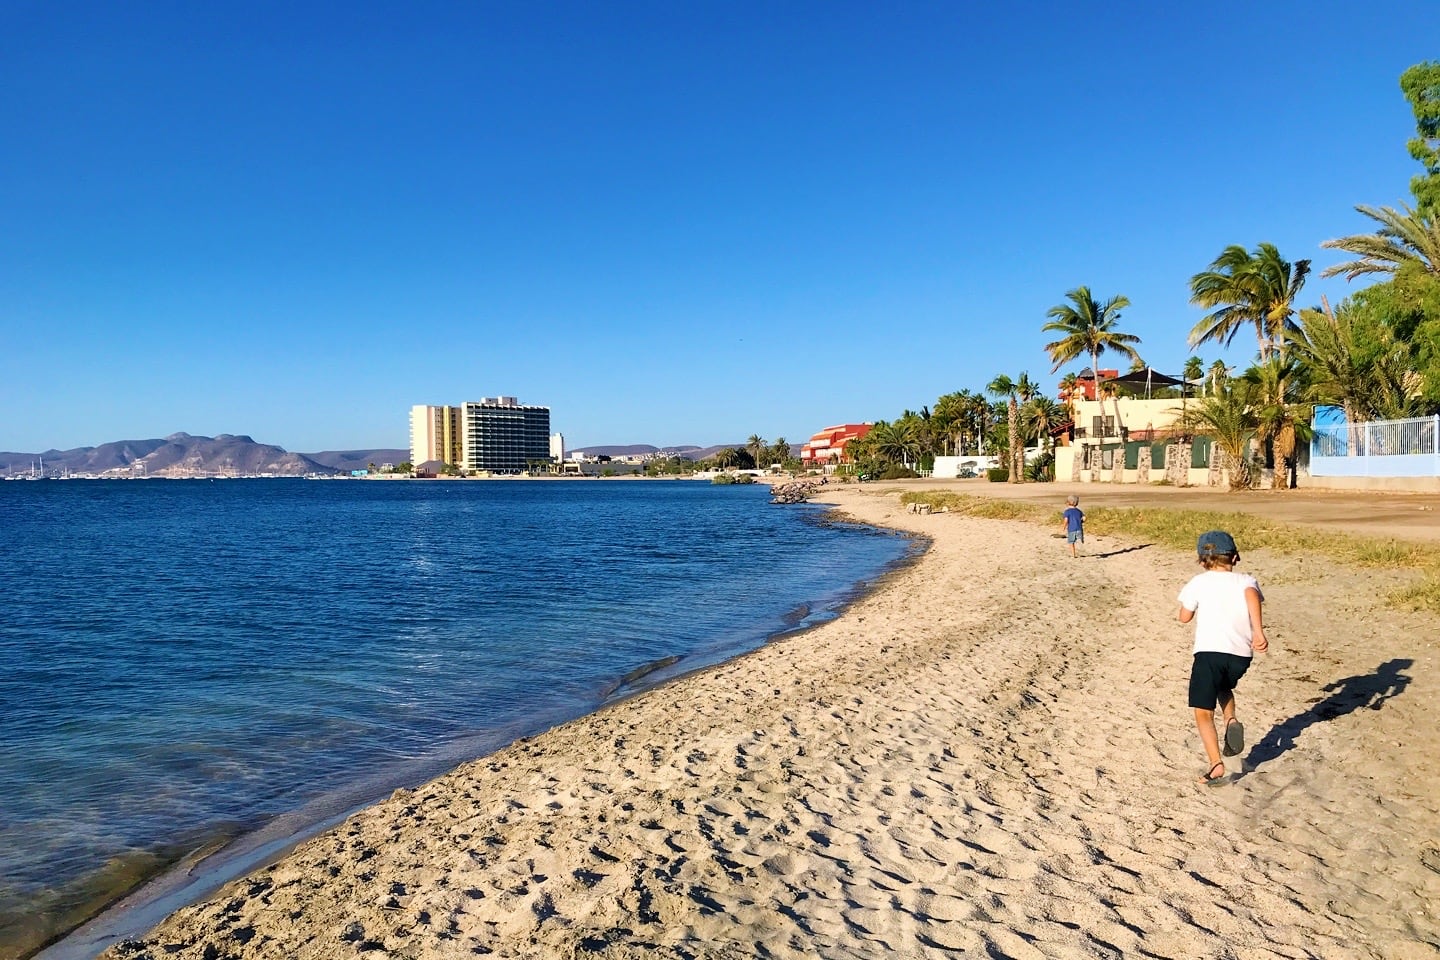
(1074, 519)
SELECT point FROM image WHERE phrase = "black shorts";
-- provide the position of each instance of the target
(1214, 674)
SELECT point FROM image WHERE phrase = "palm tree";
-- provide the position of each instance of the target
(1026, 390)
(1003, 386)
(1069, 385)
(1226, 415)
(1364, 369)
(1406, 236)
(891, 442)
(756, 446)
(1219, 373)
(1244, 289)
(726, 458)
(780, 451)
(1040, 415)
(1280, 417)
(1194, 369)
(921, 432)
(1089, 328)
(1193, 372)
(979, 417)
(950, 419)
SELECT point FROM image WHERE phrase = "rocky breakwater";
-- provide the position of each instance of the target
(797, 491)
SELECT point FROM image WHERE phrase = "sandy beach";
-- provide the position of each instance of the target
(989, 755)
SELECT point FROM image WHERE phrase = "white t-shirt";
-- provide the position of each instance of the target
(1222, 620)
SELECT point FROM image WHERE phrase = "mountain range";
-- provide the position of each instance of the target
(232, 455)
(183, 455)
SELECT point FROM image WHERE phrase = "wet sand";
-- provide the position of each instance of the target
(989, 755)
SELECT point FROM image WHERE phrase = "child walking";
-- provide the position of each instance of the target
(1074, 519)
(1229, 631)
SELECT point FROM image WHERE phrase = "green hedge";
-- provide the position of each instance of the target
(997, 475)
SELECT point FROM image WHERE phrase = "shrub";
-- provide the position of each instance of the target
(997, 475)
(1042, 470)
(897, 472)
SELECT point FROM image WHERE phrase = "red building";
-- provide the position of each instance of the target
(828, 446)
(1085, 384)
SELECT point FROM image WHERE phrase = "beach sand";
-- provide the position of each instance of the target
(989, 755)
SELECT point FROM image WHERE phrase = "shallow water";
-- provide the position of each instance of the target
(181, 661)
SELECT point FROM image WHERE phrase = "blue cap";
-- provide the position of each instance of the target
(1216, 543)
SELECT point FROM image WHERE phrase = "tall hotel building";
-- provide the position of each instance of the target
(435, 435)
(493, 435)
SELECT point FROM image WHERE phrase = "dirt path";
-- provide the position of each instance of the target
(1383, 514)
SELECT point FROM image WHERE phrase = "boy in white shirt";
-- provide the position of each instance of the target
(1229, 630)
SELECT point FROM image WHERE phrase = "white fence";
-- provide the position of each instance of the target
(1378, 448)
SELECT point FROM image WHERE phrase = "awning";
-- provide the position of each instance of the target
(1148, 378)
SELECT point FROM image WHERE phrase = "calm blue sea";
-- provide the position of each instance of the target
(184, 660)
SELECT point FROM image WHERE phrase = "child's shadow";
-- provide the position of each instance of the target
(1119, 550)
(1346, 696)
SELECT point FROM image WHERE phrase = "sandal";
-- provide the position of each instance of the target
(1209, 779)
(1234, 738)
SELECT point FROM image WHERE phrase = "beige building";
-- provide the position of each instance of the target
(1129, 440)
(434, 434)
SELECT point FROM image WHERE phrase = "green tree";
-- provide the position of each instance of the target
(1194, 369)
(1243, 289)
(1007, 389)
(1354, 361)
(727, 458)
(1089, 328)
(913, 427)
(755, 446)
(948, 419)
(1406, 237)
(1069, 386)
(1406, 309)
(1218, 376)
(1193, 373)
(887, 444)
(978, 417)
(1040, 416)
(1421, 84)
(1227, 417)
(1282, 418)
(1026, 390)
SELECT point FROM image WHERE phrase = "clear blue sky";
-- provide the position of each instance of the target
(669, 222)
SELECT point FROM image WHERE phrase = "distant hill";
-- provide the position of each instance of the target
(688, 451)
(632, 450)
(348, 460)
(178, 455)
(230, 455)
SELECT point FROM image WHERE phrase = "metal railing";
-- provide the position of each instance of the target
(1398, 448)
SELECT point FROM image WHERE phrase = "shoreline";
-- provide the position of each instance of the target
(985, 752)
(192, 872)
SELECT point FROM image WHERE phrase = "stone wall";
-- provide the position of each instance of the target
(1177, 463)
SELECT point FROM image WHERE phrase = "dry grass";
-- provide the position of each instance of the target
(1180, 528)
